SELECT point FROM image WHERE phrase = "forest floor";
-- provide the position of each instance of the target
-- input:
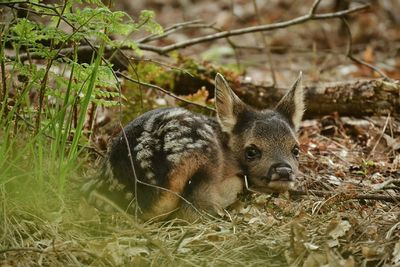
(348, 212)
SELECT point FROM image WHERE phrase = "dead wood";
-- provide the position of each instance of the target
(352, 98)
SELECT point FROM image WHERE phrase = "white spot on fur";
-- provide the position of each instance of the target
(144, 155)
(150, 175)
(175, 158)
(169, 145)
(209, 128)
(120, 187)
(174, 112)
(188, 119)
(205, 134)
(203, 143)
(185, 140)
(116, 186)
(146, 137)
(145, 164)
(177, 149)
(170, 136)
(185, 129)
(148, 125)
(138, 147)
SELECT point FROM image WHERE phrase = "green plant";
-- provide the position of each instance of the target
(44, 125)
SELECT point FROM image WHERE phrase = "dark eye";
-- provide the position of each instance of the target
(296, 151)
(252, 153)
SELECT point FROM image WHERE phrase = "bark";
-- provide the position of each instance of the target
(356, 98)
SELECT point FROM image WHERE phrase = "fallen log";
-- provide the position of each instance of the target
(353, 98)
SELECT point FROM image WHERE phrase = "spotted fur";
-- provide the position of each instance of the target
(183, 160)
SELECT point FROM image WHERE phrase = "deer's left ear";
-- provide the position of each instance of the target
(227, 103)
(292, 104)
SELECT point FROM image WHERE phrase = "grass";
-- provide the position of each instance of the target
(40, 227)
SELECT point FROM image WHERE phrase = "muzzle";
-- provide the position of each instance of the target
(280, 172)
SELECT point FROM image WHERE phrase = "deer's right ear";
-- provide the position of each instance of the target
(228, 104)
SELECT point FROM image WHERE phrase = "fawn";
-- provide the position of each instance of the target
(171, 160)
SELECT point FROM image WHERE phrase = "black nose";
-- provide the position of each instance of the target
(282, 170)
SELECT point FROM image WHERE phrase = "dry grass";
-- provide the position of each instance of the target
(258, 231)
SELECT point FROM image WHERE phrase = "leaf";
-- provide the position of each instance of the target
(338, 228)
(368, 54)
(310, 246)
(146, 19)
(371, 252)
(199, 97)
(332, 243)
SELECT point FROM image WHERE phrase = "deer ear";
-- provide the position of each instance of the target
(292, 104)
(227, 103)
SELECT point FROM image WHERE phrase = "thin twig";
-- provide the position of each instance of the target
(128, 147)
(359, 61)
(174, 28)
(314, 7)
(380, 136)
(3, 94)
(346, 196)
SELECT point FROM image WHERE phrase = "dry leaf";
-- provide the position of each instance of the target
(371, 251)
(368, 54)
(200, 97)
(338, 228)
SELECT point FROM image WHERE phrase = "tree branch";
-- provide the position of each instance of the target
(260, 28)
